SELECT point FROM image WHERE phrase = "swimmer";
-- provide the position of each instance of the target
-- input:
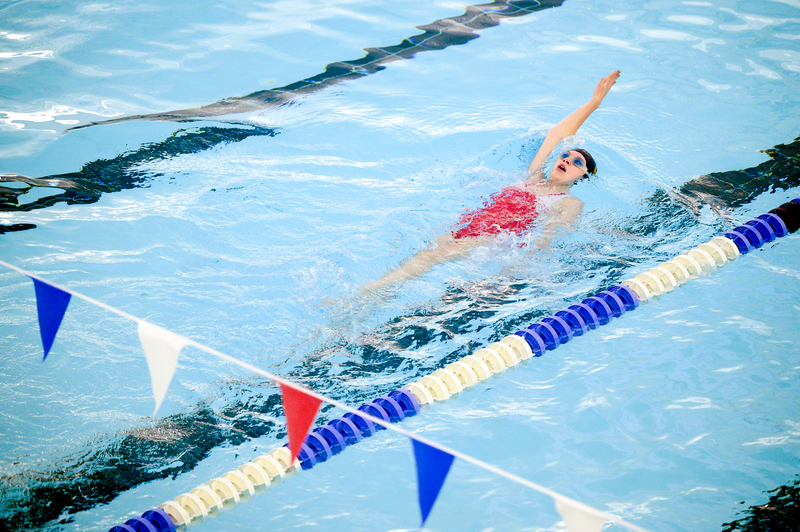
(515, 208)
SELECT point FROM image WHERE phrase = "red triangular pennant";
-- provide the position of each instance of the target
(301, 409)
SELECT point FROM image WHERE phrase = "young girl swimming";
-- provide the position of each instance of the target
(515, 208)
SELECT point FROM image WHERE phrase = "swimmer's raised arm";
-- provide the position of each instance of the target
(570, 125)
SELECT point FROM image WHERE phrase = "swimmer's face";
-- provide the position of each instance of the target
(568, 169)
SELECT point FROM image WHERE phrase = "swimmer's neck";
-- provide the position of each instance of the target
(545, 187)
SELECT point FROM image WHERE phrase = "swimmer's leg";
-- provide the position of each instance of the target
(445, 249)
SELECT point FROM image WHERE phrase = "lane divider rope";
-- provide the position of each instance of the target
(240, 485)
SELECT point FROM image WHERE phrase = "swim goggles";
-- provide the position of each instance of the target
(578, 162)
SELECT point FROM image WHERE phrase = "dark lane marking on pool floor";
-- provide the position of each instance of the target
(123, 172)
(437, 35)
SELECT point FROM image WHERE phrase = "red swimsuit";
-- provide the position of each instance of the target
(512, 209)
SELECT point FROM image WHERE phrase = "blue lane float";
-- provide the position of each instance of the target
(156, 520)
(325, 441)
(330, 439)
(589, 314)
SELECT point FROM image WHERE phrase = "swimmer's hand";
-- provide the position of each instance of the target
(603, 86)
(569, 125)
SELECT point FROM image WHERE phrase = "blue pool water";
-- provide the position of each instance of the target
(674, 417)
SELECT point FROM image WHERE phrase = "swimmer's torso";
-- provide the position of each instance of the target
(514, 209)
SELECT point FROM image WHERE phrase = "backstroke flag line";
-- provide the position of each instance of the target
(51, 304)
(161, 348)
(300, 409)
(432, 468)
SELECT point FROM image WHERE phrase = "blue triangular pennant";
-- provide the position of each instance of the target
(51, 304)
(432, 468)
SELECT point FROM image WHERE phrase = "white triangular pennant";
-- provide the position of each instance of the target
(161, 347)
(580, 518)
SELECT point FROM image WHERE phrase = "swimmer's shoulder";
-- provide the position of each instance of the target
(565, 204)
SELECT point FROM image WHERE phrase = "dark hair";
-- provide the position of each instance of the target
(591, 166)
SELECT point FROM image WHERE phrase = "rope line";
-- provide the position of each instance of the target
(227, 491)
